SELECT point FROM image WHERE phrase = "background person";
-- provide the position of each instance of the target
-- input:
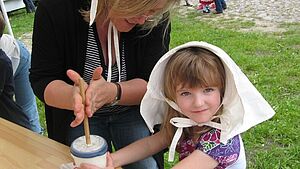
(30, 7)
(220, 6)
(9, 109)
(24, 96)
(115, 64)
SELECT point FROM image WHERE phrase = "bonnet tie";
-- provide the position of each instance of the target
(181, 123)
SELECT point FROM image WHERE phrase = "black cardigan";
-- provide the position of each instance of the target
(59, 44)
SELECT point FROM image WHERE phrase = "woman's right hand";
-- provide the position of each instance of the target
(98, 93)
(78, 107)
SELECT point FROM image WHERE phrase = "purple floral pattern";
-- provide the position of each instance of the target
(209, 143)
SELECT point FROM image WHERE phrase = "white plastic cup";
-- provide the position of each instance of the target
(95, 153)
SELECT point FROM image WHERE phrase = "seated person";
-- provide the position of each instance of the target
(20, 58)
(9, 110)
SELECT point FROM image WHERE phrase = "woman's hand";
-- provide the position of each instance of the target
(78, 106)
(109, 164)
(99, 92)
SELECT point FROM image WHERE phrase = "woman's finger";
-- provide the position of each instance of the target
(97, 73)
(74, 76)
(79, 116)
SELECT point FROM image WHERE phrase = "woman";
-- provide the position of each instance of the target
(115, 67)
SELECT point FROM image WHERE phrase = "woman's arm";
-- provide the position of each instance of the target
(101, 92)
(139, 150)
(58, 94)
(197, 160)
(133, 91)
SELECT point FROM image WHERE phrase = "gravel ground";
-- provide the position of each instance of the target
(266, 14)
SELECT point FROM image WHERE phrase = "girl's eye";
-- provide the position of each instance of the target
(185, 93)
(209, 89)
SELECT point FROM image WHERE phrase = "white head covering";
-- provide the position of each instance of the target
(243, 106)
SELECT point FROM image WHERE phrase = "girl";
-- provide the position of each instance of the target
(198, 89)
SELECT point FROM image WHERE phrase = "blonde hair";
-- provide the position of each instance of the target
(192, 67)
(130, 8)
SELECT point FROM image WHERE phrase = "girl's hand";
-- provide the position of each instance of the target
(99, 92)
(78, 107)
(109, 164)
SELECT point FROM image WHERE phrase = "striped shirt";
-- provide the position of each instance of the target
(93, 60)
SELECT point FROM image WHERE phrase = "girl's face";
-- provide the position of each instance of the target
(198, 104)
(125, 24)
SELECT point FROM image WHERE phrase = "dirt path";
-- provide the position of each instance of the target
(267, 15)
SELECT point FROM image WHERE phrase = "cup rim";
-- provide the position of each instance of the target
(97, 152)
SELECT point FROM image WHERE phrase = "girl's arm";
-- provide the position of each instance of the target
(197, 160)
(139, 150)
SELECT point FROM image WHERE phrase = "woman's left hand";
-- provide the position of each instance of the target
(99, 92)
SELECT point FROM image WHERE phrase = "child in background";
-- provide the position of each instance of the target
(205, 102)
(206, 5)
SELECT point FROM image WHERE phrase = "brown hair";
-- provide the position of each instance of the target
(2, 24)
(192, 67)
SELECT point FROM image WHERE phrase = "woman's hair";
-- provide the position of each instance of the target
(191, 67)
(130, 8)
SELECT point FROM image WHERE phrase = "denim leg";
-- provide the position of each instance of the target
(219, 7)
(30, 7)
(224, 5)
(23, 91)
(126, 128)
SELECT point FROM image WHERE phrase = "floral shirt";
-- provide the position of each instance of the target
(209, 143)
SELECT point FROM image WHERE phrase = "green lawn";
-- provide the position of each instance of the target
(270, 60)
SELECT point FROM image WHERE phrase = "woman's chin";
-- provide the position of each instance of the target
(125, 27)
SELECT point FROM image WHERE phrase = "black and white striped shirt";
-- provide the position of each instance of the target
(93, 60)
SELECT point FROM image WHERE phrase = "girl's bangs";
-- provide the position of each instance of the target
(197, 76)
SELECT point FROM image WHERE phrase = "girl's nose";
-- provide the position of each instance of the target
(198, 101)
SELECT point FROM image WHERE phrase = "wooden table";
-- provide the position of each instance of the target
(21, 148)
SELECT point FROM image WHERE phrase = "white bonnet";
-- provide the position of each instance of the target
(243, 105)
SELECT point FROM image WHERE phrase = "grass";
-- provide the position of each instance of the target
(271, 62)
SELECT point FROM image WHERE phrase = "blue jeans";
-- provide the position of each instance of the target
(220, 4)
(25, 97)
(30, 7)
(119, 129)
